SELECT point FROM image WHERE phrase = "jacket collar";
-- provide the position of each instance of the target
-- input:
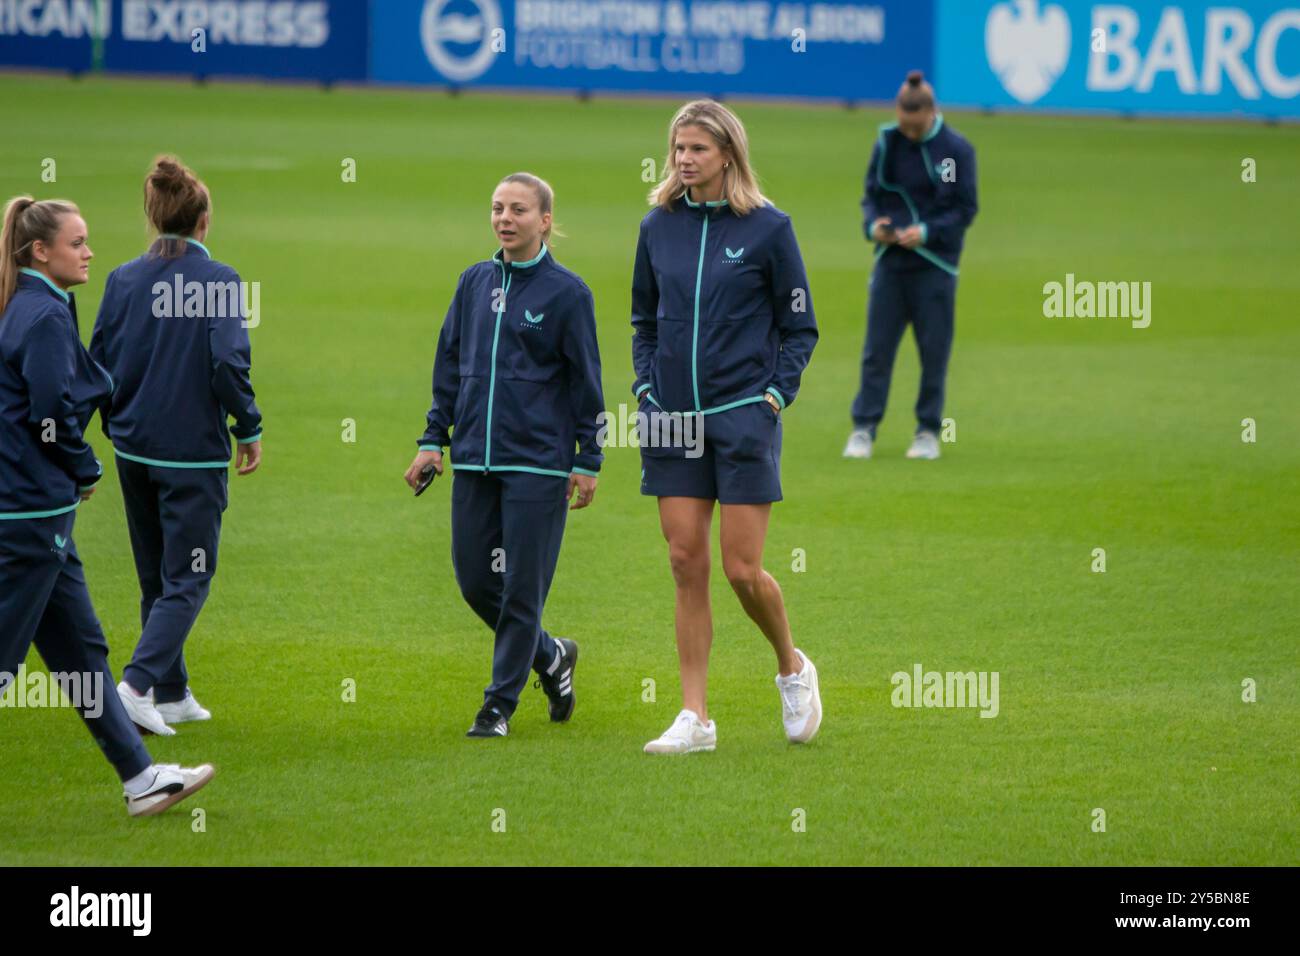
(703, 208)
(935, 127)
(37, 279)
(193, 246)
(523, 268)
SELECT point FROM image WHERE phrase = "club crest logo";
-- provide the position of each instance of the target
(459, 44)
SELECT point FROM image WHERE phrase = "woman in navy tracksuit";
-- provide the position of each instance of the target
(724, 328)
(171, 331)
(49, 388)
(517, 376)
(918, 200)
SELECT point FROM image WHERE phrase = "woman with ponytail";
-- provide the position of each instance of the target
(517, 375)
(172, 332)
(49, 388)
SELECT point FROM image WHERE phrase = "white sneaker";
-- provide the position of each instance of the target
(924, 445)
(859, 445)
(686, 735)
(801, 702)
(171, 784)
(142, 711)
(178, 712)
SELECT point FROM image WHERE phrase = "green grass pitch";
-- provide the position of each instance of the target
(1119, 690)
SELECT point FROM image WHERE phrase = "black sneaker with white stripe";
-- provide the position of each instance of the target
(558, 682)
(489, 722)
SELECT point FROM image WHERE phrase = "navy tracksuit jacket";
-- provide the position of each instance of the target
(517, 395)
(931, 183)
(720, 306)
(49, 388)
(171, 332)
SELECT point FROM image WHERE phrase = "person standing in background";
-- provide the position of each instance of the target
(919, 200)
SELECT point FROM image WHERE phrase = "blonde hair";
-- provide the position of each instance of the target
(174, 200)
(27, 221)
(739, 184)
(545, 199)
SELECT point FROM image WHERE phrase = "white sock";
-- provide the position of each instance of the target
(141, 782)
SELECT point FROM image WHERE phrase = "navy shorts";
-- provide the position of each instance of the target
(738, 456)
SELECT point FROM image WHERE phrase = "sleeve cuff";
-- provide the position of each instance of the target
(425, 446)
(641, 388)
(585, 471)
(780, 399)
(250, 439)
(925, 233)
(86, 486)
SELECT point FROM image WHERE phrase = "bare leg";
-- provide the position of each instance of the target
(685, 523)
(744, 528)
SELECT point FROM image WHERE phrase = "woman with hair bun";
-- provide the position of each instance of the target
(49, 388)
(171, 331)
(918, 201)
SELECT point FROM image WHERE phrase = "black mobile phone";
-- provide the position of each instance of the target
(427, 474)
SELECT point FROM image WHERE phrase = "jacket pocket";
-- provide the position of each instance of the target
(673, 375)
(741, 358)
(468, 421)
(532, 424)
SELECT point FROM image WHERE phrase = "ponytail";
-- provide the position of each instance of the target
(174, 201)
(26, 221)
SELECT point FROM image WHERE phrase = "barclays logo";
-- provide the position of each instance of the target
(1184, 52)
(1027, 48)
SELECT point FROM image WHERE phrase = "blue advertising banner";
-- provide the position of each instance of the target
(55, 34)
(849, 51)
(1194, 56)
(307, 39)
